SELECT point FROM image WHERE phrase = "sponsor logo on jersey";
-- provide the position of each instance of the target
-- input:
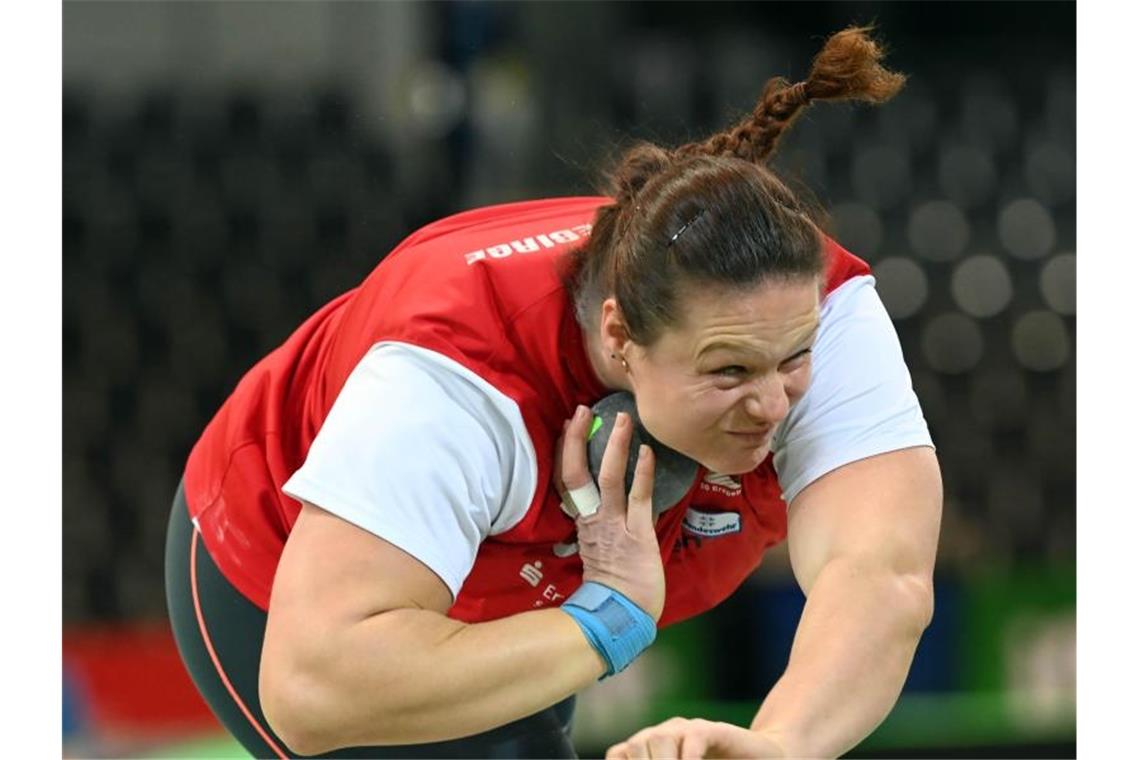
(711, 524)
(722, 484)
(531, 573)
(530, 244)
(685, 540)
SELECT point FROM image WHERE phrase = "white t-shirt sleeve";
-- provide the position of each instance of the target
(422, 452)
(860, 401)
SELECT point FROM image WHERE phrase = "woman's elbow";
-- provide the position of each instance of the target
(294, 711)
(915, 599)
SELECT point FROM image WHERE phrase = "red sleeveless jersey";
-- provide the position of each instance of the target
(481, 288)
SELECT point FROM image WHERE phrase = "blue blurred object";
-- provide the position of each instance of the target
(937, 659)
(74, 708)
(763, 618)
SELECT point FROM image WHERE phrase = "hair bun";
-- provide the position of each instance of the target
(640, 164)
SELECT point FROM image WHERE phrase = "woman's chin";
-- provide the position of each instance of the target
(737, 464)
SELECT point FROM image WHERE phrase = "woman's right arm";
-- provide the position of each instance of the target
(358, 649)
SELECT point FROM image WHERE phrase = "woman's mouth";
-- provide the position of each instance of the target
(752, 437)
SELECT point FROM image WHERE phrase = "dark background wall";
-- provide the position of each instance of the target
(227, 168)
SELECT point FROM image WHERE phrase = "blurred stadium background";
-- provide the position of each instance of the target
(229, 167)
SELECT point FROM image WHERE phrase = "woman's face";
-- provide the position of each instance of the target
(716, 386)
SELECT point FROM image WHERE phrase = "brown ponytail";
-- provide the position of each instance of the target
(749, 225)
(847, 68)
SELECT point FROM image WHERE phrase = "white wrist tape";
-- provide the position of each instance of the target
(586, 499)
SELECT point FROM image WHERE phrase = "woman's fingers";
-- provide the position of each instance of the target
(575, 466)
(611, 475)
(639, 513)
(624, 559)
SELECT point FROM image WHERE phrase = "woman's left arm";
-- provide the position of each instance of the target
(862, 541)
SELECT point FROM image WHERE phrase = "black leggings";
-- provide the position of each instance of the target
(219, 634)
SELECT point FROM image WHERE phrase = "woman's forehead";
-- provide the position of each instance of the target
(767, 315)
(769, 303)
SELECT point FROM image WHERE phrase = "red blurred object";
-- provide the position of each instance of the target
(133, 682)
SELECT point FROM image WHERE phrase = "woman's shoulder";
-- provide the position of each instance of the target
(842, 265)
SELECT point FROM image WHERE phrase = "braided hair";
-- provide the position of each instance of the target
(711, 212)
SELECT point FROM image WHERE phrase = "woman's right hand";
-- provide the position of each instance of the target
(617, 543)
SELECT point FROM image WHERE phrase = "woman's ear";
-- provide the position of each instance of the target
(614, 333)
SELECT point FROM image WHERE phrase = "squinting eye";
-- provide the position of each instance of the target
(796, 362)
(732, 371)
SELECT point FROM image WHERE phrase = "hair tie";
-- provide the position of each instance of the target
(798, 93)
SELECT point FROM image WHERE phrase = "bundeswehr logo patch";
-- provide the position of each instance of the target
(711, 524)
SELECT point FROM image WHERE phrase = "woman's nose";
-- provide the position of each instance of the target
(767, 401)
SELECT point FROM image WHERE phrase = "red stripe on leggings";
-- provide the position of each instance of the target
(213, 656)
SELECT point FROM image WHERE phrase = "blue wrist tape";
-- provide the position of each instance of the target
(615, 626)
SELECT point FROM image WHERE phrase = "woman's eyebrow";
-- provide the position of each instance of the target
(804, 344)
(809, 341)
(723, 345)
(796, 355)
(743, 348)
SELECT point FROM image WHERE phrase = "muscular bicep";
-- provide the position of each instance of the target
(854, 456)
(344, 573)
(332, 578)
(882, 513)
